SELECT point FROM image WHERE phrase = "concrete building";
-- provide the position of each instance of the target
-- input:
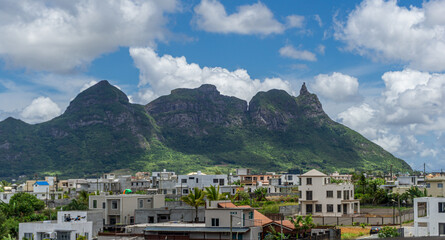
(341, 177)
(182, 213)
(199, 180)
(69, 226)
(165, 182)
(219, 223)
(320, 197)
(429, 216)
(434, 186)
(41, 187)
(120, 209)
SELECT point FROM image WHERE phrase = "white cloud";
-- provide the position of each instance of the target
(290, 52)
(60, 36)
(294, 21)
(321, 49)
(211, 16)
(382, 29)
(159, 75)
(88, 85)
(337, 86)
(41, 109)
(318, 19)
(390, 143)
(360, 119)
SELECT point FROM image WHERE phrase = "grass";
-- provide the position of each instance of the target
(353, 232)
(384, 207)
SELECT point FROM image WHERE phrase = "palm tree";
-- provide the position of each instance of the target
(260, 193)
(195, 199)
(213, 194)
(302, 224)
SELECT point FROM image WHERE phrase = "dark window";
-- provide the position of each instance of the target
(191, 177)
(221, 182)
(185, 191)
(114, 204)
(346, 195)
(442, 207)
(215, 222)
(215, 180)
(308, 195)
(308, 181)
(318, 208)
(330, 207)
(329, 194)
(262, 178)
(440, 185)
(339, 208)
(308, 208)
(103, 205)
(183, 180)
(289, 177)
(94, 203)
(338, 194)
(141, 203)
(197, 180)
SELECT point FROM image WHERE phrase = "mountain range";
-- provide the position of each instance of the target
(187, 130)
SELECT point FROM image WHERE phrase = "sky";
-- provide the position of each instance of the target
(377, 66)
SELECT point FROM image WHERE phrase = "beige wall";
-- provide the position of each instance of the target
(434, 190)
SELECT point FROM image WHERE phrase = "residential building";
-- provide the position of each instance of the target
(434, 186)
(69, 226)
(429, 216)
(164, 181)
(120, 209)
(186, 183)
(219, 223)
(406, 180)
(320, 197)
(341, 177)
(41, 187)
(256, 179)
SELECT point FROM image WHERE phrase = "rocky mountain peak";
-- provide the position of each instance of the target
(102, 93)
(303, 90)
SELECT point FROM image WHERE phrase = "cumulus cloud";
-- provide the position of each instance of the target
(290, 52)
(60, 36)
(294, 21)
(211, 16)
(159, 75)
(337, 86)
(383, 30)
(41, 109)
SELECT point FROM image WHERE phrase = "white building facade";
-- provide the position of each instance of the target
(429, 216)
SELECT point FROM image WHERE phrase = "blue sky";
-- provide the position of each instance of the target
(377, 66)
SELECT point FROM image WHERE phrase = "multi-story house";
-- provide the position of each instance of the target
(119, 209)
(341, 177)
(199, 180)
(320, 197)
(164, 181)
(434, 186)
(429, 216)
(69, 226)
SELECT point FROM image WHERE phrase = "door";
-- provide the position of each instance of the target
(441, 228)
(345, 208)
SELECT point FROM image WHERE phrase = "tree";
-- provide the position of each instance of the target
(195, 199)
(260, 193)
(75, 205)
(213, 194)
(302, 225)
(274, 235)
(388, 232)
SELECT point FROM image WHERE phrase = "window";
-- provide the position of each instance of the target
(338, 194)
(94, 203)
(440, 185)
(221, 182)
(233, 213)
(215, 222)
(103, 205)
(346, 195)
(250, 215)
(141, 203)
(308, 208)
(28, 236)
(114, 204)
(338, 207)
(442, 207)
(289, 177)
(183, 180)
(215, 180)
(185, 191)
(197, 180)
(318, 208)
(330, 207)
(261, 178)
(308, 181)
(428, 185)
(329, 194)
(308, 195)
(192, 178)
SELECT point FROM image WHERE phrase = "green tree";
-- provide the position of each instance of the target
(302, 224)
(22, 204)
(75, 205)
(260, 193)
(274, 235)
(3, 228)
(195, 199)
(212, 193)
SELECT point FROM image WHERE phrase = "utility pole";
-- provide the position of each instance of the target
(391, 172)
(400, 213)
(231, 222)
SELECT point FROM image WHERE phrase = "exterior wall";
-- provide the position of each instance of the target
(428, 225)
(201, 181)
(241, 217)
(41, 188)
(6, 196)
(81, 228)
(126, 205)
(319, 187)
(183, 214)
(434, 188)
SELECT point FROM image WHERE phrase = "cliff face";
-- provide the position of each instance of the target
(188, 130)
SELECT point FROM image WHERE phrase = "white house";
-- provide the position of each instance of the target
(320, 197)
(187, 182)
(429, 216)
(69, 226)
(41, 187)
